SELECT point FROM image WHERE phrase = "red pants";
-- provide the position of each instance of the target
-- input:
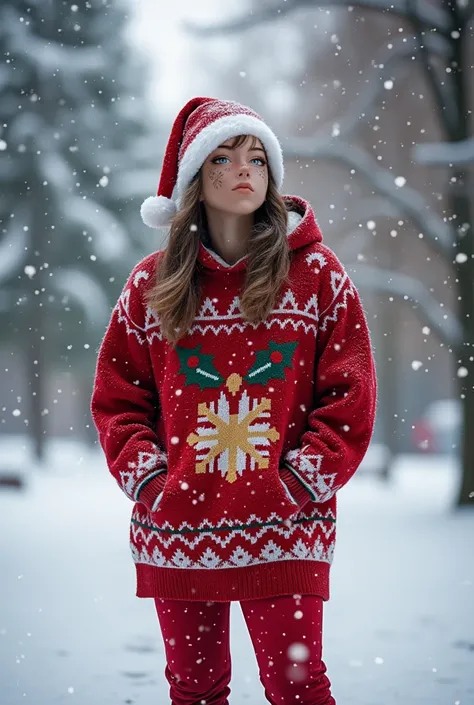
(286, 634)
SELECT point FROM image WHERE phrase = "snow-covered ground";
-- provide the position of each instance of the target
(399, 627)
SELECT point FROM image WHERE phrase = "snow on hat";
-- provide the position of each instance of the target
(199, 128)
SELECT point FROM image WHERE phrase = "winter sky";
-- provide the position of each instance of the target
(156, 30)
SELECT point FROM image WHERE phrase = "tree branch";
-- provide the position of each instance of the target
(109, 238)
(430, 15)
(49, 56)
(14, 246)
(81, 287)
(448, 330)
(409, 201)
(445, 153)
(356, 240)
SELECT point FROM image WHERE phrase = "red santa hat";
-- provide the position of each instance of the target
(200, 127)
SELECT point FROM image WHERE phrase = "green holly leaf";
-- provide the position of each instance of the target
(198, 368)
(271, 363)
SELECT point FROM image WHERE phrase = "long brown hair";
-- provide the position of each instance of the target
(175, 296)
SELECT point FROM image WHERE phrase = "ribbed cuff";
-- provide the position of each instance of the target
(297, 490)
(152, 489)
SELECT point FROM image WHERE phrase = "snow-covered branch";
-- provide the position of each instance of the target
(409, 201)
(48, 56)
(430, 15)
(355, 240)
(445, 153)
(109, 238)
(446, 326)
(372, 208)
(13, 247)
(79, 286)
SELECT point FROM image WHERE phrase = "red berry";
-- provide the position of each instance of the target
(193, 361)
(276, 356)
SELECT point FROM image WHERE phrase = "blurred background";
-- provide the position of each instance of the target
(372, 101)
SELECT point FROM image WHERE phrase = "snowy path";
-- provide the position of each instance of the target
(399, 627)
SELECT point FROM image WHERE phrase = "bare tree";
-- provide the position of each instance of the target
(439, 43)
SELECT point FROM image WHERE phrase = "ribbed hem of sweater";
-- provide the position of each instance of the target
(298, 577)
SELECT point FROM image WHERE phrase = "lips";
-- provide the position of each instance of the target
(243, 187)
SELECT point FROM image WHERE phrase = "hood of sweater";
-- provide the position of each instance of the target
(302, 230)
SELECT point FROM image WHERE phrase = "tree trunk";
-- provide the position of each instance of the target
(35, 370)
(464, 271)
(35, 319)
(465, 353)
(389, 373)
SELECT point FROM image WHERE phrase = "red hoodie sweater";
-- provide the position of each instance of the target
(233, 445)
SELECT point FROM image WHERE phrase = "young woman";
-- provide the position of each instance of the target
(234, 396)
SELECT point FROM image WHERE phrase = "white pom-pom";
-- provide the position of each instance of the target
(157, 211)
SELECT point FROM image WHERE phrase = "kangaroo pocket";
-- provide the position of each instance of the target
(202, 499)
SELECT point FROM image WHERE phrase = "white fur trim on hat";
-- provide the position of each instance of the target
(157, 211)
(211, 136)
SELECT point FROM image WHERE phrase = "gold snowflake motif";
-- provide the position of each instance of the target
(235, 438)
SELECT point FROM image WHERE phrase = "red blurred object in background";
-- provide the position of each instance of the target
(422, 437)
(438, 429)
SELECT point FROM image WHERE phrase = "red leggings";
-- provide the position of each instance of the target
(286, 634)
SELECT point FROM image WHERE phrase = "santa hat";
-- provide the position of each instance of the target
(200, 127)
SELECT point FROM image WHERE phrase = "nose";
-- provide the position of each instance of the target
(244, 170)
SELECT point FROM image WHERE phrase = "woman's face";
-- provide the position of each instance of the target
(226, 168)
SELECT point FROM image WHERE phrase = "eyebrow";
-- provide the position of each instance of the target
(252, 149)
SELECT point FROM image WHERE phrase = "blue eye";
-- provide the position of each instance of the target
(224, 160)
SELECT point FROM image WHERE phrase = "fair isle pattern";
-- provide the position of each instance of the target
(224, 529)
(271, 552)
(316, 257)
(121, 309)
(307, 468)
(348, 291)
(210, 319)
(278, 520)
(145, 466)
(141, 274)
(224, 545)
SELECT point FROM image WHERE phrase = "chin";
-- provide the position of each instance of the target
(245, 207)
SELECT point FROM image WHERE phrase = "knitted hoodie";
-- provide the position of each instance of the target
(233, 445)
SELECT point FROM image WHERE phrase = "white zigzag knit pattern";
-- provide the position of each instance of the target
(210, 319)
(348, 291)
(239, 558)
(189, 539)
